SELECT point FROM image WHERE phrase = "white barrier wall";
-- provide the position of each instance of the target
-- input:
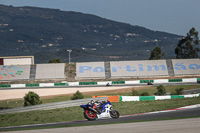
(17, 85)
(138, 68)
(14, 72)
(104, 83)
(161, 81)
(90, 70)
(186, 66)
(49, 71)
(132, 82)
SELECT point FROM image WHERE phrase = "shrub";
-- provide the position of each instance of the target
(31, 99)
(160, 90)
(77, 95)
(178, 91)
(134, 93)
(57, 60)
(144, 94)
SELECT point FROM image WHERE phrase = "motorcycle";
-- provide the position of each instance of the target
(99, 110)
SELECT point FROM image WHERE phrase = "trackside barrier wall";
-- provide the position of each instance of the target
(17, 85)
(161, 81)
(50, 71)
(14, 72)
(60, 84)
(90, 70)
(145, 98)
(46, 84)
(87, 83)
(132, 82)
(110, 98)
(118, 82)
(138, 68)
(175, 80)
(104, 83)
(186, 66)
(32, 85)
(73, 83)
(64, 83)
(190, 80)
(146, 81)
(171, 67)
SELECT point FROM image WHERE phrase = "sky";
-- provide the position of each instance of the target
(172, 16)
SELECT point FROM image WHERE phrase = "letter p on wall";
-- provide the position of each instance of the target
(90, 70)
(84, 68)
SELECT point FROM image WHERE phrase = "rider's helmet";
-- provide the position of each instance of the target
(92, 101)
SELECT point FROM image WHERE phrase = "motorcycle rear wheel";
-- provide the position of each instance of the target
(90, 115)
(114, 114)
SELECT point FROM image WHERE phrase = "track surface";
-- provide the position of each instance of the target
(191, 112)
(174, 126)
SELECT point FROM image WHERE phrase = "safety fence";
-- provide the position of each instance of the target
(33, 85)
(145, 98)
(159, 81)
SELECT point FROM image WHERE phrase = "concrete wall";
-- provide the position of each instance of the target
(90, 70)
(138, 68)
(186, 66)
(14, 72)
(50, 71)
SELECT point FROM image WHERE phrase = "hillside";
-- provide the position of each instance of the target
(48, 33)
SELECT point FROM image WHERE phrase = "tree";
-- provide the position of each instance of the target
(156, 54)
(188, 46)
(31, 99)
(58, 60)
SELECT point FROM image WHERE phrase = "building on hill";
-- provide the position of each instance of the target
(17, 60)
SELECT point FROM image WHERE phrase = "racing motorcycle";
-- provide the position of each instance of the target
(95, 110)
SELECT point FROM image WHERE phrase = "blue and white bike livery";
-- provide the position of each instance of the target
(95, 110)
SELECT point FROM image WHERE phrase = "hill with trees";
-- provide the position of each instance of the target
(48, 33)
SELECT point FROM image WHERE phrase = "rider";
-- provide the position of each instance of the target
(97, 104)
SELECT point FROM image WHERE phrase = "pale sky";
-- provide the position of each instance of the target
(173, 16)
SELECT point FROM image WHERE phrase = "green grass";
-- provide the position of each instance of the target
(76, 113)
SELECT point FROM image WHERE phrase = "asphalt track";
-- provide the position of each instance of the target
(175, 126)
(168, 114)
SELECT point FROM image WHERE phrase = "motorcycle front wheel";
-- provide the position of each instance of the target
(90, 115)
(114, 114)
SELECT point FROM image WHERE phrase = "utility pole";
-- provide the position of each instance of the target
(69, 50)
